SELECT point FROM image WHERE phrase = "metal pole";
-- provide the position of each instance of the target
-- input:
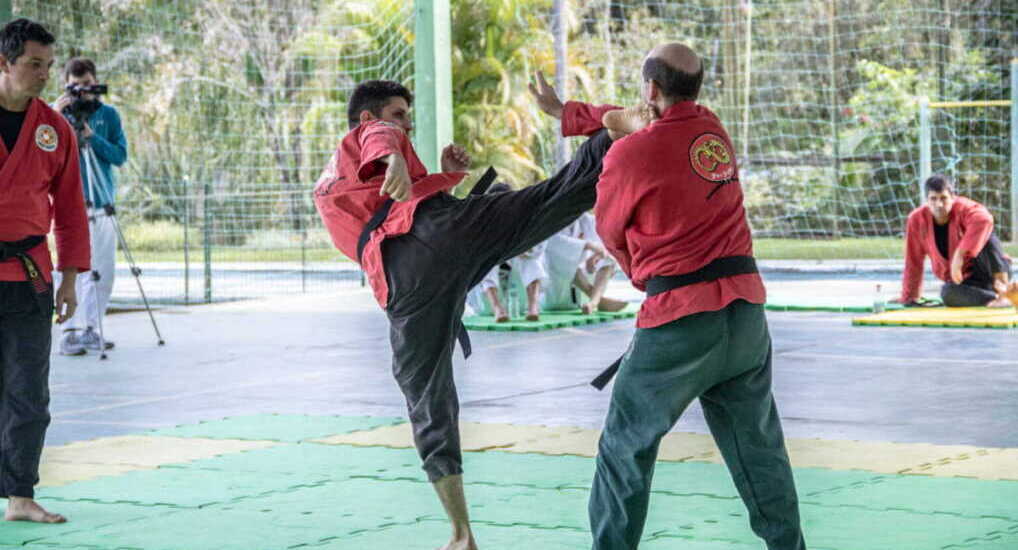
(832, 44)
(1014, 149)
(749, 77)
(207, 229)
(925, 146)
(558, 26)
(187, 243)
(433, 81)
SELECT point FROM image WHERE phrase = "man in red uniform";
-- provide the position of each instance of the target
(423, 250)
(40, 186)
(670, 210)
(957, 235)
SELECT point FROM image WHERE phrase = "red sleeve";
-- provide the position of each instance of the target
(583, 119)
(613, 209)
(978, 224)
(379, 140)
(70, 223)
(915, 257)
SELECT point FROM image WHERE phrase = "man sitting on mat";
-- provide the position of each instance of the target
(957, 234)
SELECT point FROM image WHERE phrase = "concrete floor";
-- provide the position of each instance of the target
(329, 354)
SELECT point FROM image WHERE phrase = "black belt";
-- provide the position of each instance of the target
(383, 212)
(19, 250)
(729, 266)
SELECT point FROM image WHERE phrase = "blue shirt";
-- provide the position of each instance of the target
(109, 144)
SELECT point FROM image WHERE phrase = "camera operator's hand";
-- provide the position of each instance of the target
(86, 131)
(63, 102)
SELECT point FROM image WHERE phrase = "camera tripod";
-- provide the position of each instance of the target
(101, 193)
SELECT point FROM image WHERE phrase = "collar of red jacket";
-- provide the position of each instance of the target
(682, 109)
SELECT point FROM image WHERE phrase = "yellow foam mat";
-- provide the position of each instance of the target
(874, 456)
(473, 436)
(106, 456)
(55, 474)
(972, 317)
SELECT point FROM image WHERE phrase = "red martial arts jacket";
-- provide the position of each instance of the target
(40, 186)
(669, 202)
(970, 227)
(346, 194)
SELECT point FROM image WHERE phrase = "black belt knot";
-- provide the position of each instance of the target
(19, 250)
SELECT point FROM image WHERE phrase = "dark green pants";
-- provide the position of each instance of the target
(724, 358)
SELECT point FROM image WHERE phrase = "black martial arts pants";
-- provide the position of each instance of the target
(24, 386)
(977, 289)
(724, 359)
(453, 244)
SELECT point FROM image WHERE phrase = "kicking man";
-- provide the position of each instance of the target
(422, 250)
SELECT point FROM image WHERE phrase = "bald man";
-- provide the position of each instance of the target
(670, 210)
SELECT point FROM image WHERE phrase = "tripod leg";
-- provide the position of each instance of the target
(92, 171)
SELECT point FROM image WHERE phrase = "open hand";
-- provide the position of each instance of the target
(455, 159)
(547, 98)
(397, 179)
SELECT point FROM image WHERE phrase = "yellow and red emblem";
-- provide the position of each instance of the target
(712, 159)
(46, 138)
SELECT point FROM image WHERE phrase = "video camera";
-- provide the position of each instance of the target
(78, 112)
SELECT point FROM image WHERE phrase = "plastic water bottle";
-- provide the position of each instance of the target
(514, 302)
(879, 305)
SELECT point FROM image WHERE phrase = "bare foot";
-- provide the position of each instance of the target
(611, 305)
(461, 544)
(1011, 293)
(501, 316)
(26, 509)
(533, 317)
(622, 122)
(588, 308)
(1000, 302)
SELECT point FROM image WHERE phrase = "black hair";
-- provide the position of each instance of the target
(78, 67)
(373, 96)
(17, 32)
(938, 183)
(675, 84)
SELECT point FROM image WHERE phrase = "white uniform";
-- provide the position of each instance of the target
(94, 296)
(565, 254)
(526, 268)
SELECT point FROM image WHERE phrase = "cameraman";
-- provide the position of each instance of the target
(99, 132)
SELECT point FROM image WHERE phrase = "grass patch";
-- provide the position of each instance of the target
(197, 255)
(877, 248)
(765, 249)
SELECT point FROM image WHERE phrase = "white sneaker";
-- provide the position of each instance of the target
(90, 339)
(71, 344)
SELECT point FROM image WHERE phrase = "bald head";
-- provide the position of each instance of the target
(676, 70)
(677, 56)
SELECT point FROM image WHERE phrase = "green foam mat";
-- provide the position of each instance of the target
(277, 427)
(335, 461)
(311, 495)
(840, 303)
(181, 487)
(83, 517)
(549, 320)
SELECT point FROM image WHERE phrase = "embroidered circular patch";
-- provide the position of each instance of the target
(46, 138)
(711, 158)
